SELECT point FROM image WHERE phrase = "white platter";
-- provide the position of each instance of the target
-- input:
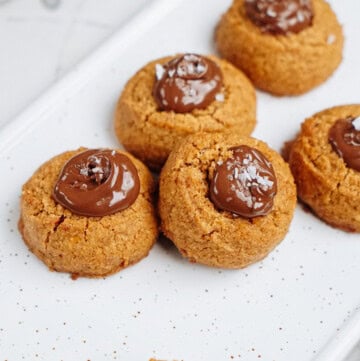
(300, 304)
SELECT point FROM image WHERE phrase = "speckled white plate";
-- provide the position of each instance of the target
(299, 304)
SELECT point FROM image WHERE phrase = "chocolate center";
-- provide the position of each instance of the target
(187, 82)
(344, 137)
(97, 183)
(244, 184)
(280, 17)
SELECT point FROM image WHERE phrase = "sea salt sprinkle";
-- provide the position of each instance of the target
(244, 184)
(249, 174)
(159, 71)
(270, 12)
(187, 82)
(220, 97)
(356, 124)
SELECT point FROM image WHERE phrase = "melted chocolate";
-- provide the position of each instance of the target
(97, 183)
(187, 82)
(244, 184)
(344, 137)
(280, 17)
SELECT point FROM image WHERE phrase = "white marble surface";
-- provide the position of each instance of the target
(42, 39)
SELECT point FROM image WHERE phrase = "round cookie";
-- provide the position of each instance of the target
(324, 180)
(150, 133)
(87, 245)
(203, 232)
(282, 64)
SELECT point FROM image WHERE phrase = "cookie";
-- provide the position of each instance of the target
(285, 47)
(225, 200)
(89, 212)
(325, 162)
(173, 97)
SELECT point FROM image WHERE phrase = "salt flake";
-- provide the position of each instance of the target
(159, 71)
(219, 97)
(356, 124)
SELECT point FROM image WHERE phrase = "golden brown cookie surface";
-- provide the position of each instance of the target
(205, 234)
(150, 134)
(282, 64)
(323, 179)
(85, 246)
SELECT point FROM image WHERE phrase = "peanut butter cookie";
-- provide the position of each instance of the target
(89, 212)
(173, 97)
(325, 162)
(225, 200)
(285, 47)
